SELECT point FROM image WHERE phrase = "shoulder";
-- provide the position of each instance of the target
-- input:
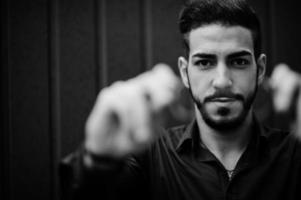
(282, 141)
(275, 136)
(170, 137)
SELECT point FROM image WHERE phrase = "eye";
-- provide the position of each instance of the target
(204, 63)
(240, 62)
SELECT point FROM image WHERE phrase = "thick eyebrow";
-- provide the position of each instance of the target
(204, 55)
(232, 55)
(240, 54)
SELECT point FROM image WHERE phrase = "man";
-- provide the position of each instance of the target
(223, 154)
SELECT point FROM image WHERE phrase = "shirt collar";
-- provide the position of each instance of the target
(256, 149)
(189, 138)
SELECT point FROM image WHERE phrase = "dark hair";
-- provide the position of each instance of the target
(226, 12)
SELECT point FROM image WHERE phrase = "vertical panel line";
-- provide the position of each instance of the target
(103, 23)
(146, 34)
(101, 64)
(54, 101)
(272, 31)
(97, 46)
(6, 104)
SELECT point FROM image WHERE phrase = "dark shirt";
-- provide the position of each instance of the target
(178, 167)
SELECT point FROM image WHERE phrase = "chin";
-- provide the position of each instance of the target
(224, 120)
(225, 125)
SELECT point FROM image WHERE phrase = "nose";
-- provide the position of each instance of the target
(222, 78)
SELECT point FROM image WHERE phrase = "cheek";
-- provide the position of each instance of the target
(199, 85)
(246, 82)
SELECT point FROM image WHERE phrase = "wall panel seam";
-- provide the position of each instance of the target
(272, 31)
(54, 95)
(6, 101)
(146, 34)
(101, 64)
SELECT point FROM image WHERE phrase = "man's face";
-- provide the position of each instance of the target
(221, 73)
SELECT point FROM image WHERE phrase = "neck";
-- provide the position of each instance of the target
(226, 145)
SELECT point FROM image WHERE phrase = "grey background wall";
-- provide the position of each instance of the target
(57, 54)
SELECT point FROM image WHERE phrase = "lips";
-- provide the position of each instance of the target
(223, 99)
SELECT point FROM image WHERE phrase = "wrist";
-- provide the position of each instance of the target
(105, 162)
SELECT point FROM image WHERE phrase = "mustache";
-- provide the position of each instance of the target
(224, 94)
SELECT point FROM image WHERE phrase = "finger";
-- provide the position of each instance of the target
(284, 83)
(164, 86)
(107, 121)
(298, 120)
(141, 118)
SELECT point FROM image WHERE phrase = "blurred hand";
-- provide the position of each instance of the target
(124, 116)
(298, 121)
(285, 84)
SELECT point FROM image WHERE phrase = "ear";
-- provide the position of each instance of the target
(261, 64)
(183, 69)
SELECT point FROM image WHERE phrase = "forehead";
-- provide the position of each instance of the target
(216, 39)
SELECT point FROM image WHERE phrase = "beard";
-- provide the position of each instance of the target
(225, 124)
